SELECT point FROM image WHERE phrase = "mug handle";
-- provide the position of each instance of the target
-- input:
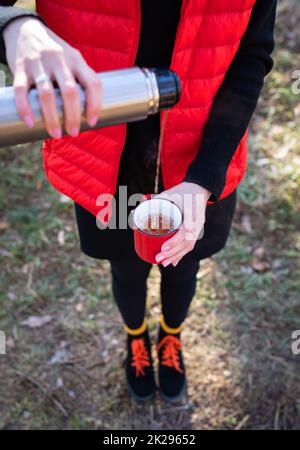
(146, 197)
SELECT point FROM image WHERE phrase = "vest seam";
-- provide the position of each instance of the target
(87, 152)
(194, 107)
(100, 47)
(221, 13)
(72, 184)
(72, 8)
(230, 44)
(187, 132)
(210, 46)
(221, 74)
(77, 166)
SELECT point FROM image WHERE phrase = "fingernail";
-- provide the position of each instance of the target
(56, 133)
(166, 263)
(159, 258)
(75, 132)
(29, 121)
(93, 121)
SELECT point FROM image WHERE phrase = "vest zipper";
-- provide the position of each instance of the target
(165, 114)
(138, 30)
(135, 47)
(158, 160)
(131, 62)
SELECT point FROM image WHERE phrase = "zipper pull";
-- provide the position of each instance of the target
(159, 153)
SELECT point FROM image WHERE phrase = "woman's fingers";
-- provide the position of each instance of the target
(174, 247)
(42, 56)
(70, 94)
(168, 254)
(173, 241)
(92, 85)
(46, 96)
(21, 88)
(177, 256)
(49, 109)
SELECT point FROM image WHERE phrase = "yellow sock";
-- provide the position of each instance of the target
(168, 329)
(136, 331)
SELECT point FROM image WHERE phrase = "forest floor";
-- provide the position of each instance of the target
(65, 370)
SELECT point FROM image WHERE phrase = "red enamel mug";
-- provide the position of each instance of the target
(155, 220)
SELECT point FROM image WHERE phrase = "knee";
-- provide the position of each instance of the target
(126, 272)
(182, 273)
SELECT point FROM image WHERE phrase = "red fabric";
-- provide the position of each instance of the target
(106, 32)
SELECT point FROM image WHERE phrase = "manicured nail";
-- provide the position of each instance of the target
(75, 132)
(56, 133)
(159, 258)
(166, 263)
(29, 121)
(93, 121)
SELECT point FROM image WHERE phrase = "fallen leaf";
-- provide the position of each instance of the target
(260, 266)
(10, 342)
(262, 162)
(38, 185)
(61, 237)
(64, 199)
(227, 373)
(259, 252)
(59, 356)
(246, 226)
(4, 225)
(79, 307)
(5, 253)
(277, 263)
(36, 321)
(59, 382)
(26, 415)
(72, 393)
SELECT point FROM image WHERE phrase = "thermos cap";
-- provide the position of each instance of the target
(169, 87)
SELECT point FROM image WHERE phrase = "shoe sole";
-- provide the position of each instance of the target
(138, 398)
(175, 398)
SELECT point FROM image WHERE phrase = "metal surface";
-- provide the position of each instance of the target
(127, 95)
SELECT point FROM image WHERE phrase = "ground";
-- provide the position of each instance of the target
(65, 371)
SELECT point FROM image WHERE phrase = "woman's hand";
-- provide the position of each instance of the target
(37, 56)
(191, 199)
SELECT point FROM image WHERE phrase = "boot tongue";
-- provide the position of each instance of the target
(163, 334)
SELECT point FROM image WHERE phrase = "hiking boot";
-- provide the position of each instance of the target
(139, 367)
(171, 371)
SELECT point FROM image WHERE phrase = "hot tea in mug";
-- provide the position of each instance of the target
(155, 221)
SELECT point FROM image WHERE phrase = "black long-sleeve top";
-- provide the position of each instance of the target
(232, 108)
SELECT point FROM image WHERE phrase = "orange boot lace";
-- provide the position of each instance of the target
(140, 356)
(170, 353)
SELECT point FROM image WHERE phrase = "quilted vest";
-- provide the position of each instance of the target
(107, 34)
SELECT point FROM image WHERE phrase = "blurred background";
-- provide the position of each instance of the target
(65, 345)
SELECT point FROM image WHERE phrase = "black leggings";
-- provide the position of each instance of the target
(129, 285)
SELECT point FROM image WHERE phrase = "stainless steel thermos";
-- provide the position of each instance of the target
(127, 95)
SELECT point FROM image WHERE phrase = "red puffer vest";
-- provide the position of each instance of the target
(107, 34)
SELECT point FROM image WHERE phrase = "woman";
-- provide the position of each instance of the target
(221, 50)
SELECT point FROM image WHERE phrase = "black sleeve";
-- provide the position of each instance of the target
(7, 15)
(235, 101)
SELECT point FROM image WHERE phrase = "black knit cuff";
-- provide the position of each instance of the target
(208, 178)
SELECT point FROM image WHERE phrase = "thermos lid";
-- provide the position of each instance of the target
(169, 87)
